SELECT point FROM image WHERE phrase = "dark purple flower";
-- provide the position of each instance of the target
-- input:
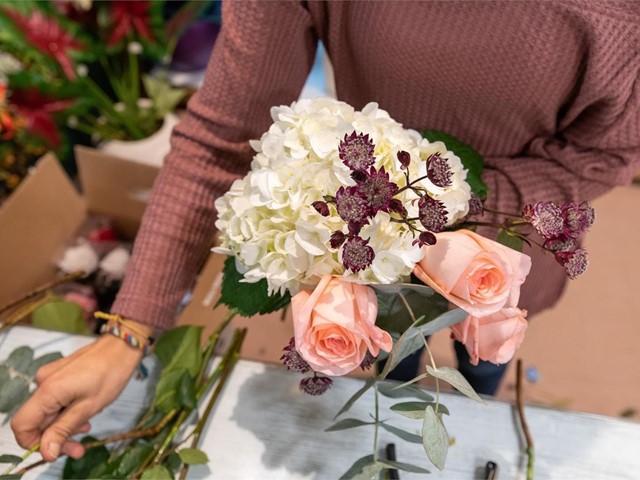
(559, 244)
(476, 206)
(577, 218)
(321, 207)
(357, 254)
(404, 158)
(425, 238)
(432, 214)
(356, 151)
(351, 205)
(337, 239)
(438, 171)
(395, 205)
(545, 217)
(575, 263)
(378, 191)
(367, 361)
(292, 359)
(359, 176)
(315, 385)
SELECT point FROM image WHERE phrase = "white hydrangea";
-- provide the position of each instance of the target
(267, 220)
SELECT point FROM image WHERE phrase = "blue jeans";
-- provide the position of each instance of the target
(485, 378)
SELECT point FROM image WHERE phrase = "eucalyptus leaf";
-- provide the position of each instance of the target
(12, 459)
(407, 467)
(394, 299)
(363, 468)
(510, 240)
(84, 467)
(193, 456)
(403, 434)
(248, 299)
(4, 375)
(456, 379)
(346, 424)
(443, 321)
(61, 316)
(470, 158)
(409, 342)
(393, 389)
(10, 476)
(157, 472)
(416, 410)
(40, 361)
(179, 348)
(20, 359)
(13, 394)
(367, 385)
(435, 439)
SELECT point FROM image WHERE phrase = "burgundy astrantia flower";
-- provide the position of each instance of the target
(368, 361)
(356, 151)
(292, 359)
(404, 158)
(378, 191)
(357, 254)
(560, 244)
(315, 385)
(476, 206)
(337, 239)
(425, 239)
(577, 218)
(432, 214)
(48, 36)
(352, 205)
(438, 171)
(129, 16)
(545, 217)
(575, 263)
(321, 207)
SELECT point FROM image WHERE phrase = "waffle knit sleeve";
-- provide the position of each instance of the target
(262, 57)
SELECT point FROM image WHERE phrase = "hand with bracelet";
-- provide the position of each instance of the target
(69, 393)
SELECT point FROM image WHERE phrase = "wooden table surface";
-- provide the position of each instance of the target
(264, 428)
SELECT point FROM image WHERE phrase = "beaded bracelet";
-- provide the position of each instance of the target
(112, 317)
(132, 341)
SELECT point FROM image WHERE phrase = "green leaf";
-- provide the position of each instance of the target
(174, 462)
(4, 375)
(456, 379)
(248, 299)
(393, 315)
(346, 424)
(165, 97)
(84, 467)
(403, 434)
(12, 459)
(172, 390)
(157, 472)
(186, 395)
(179, 348)
(471, 159)
(416, 410)
(10, 476)
(61, 316)
(193, 456)
(132, 459)
(20, 359)
(443, 321)
(509, 240)
(363, 468)
(392, 389)
(407, 467)
(13, 394)
(40, 361)
(434, 438)
(367, 385)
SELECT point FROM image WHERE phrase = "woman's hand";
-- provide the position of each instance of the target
(71, 391)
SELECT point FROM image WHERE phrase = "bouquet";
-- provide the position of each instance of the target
(367, 230)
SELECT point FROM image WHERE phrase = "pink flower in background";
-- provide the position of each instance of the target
(335, 327)
(474, 273)
(494, 338)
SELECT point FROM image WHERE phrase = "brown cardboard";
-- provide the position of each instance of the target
(115, 187)
(36, 222)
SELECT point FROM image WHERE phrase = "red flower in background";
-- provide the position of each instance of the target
(37, 111)
(46, 34)
(127, 17)
(7, 125)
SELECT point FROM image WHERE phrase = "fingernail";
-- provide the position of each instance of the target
(54, 449)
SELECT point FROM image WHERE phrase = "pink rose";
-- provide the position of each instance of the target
(494, 338)
(334, 325)
(474, 273)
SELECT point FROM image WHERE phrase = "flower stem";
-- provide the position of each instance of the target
(433, 365)
(377, 419)
(523, 421)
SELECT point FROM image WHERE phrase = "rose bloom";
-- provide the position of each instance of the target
(494, 338)
(334, 325)
(474, 273)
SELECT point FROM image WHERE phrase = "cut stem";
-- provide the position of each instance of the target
(523, 421)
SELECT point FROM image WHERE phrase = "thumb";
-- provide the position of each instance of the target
(56, 438)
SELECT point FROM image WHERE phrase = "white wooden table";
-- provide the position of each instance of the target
(264, 428)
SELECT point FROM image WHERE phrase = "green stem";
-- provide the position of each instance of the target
(26, 455)
(523, 421)
(212, 343)
(377, 419)
(433, 365)
(134, 76)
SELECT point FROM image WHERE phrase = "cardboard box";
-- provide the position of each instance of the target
(42, 217)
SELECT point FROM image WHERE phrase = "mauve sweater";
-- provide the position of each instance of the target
(547, 91)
